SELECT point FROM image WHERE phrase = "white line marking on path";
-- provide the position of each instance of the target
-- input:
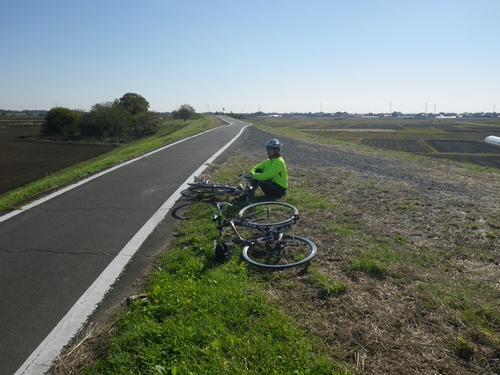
(93, 177)
(42, 358)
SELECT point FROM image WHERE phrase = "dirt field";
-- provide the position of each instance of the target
(23, 161)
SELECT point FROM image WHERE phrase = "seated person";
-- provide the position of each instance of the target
(271, 175)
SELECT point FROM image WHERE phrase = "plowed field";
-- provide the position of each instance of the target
(23, 160)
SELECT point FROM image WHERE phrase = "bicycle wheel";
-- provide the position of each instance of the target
(269, 214)
(291, 251)
(210, 188)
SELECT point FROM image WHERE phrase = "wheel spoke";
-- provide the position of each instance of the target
(291, 251)
(269, 214)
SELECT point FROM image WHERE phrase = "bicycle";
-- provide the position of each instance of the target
(270, 247)
(206, 186)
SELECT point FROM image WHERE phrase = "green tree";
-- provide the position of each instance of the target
(61, 122)
(186, 111)
(147, 123)
(106, 120)
(133, 103)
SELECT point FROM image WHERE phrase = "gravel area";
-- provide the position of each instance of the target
(438, 176)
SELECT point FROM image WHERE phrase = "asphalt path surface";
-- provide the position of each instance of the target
(53, 255)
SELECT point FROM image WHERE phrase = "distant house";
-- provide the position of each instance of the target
(493, 139)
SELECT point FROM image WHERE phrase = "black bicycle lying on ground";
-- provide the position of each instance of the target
(260, 228)
(209, 187)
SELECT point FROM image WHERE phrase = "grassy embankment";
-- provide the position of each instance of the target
(169, 132)
(204, 318)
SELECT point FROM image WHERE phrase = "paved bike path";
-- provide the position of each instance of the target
(52, 253)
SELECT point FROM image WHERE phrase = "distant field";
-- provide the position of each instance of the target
(398, 145)
(23, 161)
(458, 139)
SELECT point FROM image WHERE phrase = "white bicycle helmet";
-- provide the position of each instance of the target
(274, 143)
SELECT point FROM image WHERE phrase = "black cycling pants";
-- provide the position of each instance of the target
(271, 189)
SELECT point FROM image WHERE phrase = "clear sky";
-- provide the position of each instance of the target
(269, 55)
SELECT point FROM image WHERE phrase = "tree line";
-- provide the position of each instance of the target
(123, 119)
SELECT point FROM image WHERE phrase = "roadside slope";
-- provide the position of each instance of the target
(414, 240)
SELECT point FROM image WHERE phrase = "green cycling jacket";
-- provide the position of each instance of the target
(274, 170)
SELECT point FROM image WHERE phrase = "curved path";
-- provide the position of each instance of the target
(60, 255)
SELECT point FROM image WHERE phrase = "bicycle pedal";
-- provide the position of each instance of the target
(223, 251)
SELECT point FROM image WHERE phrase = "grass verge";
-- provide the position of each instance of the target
(404, 282)
(205, 318)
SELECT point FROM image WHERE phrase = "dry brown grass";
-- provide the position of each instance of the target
(433, 305)
(418, 318)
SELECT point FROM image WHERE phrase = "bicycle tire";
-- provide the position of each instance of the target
(204, 182)
(295, 251)
(269, 214)
(210, 188)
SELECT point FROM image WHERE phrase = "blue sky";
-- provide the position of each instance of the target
(270, 55)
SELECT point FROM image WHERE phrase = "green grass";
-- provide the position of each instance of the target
(328, 286)
(481, 169)
(472, 301)
(466, 296)
(338, 230)
(170, 132)
(370, 266)
(307, 202)
(205, 318)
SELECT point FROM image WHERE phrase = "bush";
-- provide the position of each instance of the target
(123, 119)
(106, 120)
(61, 122)
(147, 123)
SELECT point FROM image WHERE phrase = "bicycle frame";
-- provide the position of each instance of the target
(269, 232)
(270, 249)
(260, 238)
(216, 188)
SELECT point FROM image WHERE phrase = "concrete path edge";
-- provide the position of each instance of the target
(42, 358)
